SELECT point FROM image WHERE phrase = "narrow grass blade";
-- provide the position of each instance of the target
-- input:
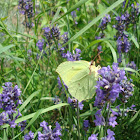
(36, 115)
(134, 117)
(77, 5)
(58, 106)
(94, 21)
(28, 100)
(112, 50)
(133, 38)
(5, 48)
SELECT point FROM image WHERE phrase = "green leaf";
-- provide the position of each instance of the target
(27, 35)
(11, 57)
(36, 115)
(112, 50)
(77, 5)
(135, 116)
(95, 42)
(29, 99)
(56, 15)
(94, 21)
(5, 136)
(32, 115)
(129, 69)
(133, 38)
(5, 48)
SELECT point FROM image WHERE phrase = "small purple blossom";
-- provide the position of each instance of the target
(29, 136)
(86, 123)
(93, 137)
(60, 84)
(132, 107)
(73, 103)
(22, 125)
(65, 37)
(9, 101)
(126, 90)
(26, 8)
(51, 34)
(131, 65)
(99, 48)
(104, 22)
(73, 57)
(110, 135)
(112, 121)
(48, 133)
(73, 14)
(40, 44)
(108, 86)
(99, 118)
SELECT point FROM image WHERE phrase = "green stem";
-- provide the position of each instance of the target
(106, 122)
(78, 124)
(13, 134)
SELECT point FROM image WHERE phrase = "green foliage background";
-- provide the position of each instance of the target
(37, 78)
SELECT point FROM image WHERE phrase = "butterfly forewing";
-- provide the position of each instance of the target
(67, 70)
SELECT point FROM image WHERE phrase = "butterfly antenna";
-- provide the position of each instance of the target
(96, 57)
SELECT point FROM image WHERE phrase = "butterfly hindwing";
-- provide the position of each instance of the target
(82, 86)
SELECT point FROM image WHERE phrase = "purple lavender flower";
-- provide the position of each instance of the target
(26, 8)
(74, 56)
(104, 22)
(56, 100)
(101, 35)
(78, 9)
(60, 85)
(132, 107)
(86, 125)
(114, 113)
(9, 101)
(40, 44)
(99, 48)
(73, 14)
(4, 118)
(73, 103)
(123, 44)
(29, 136)
(123, 22)
(69, 56)
(110, 135)
(125, 3)
(135, 13)
(22, 125)
(99, 118)
(52, 34)
(126, 90)
(48, 133)
(131, 65)
(112, 121)
(108, 86)
(93, 137)
(65, 37)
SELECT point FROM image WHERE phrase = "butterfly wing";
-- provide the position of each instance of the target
(67, 70)
(82, 85)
